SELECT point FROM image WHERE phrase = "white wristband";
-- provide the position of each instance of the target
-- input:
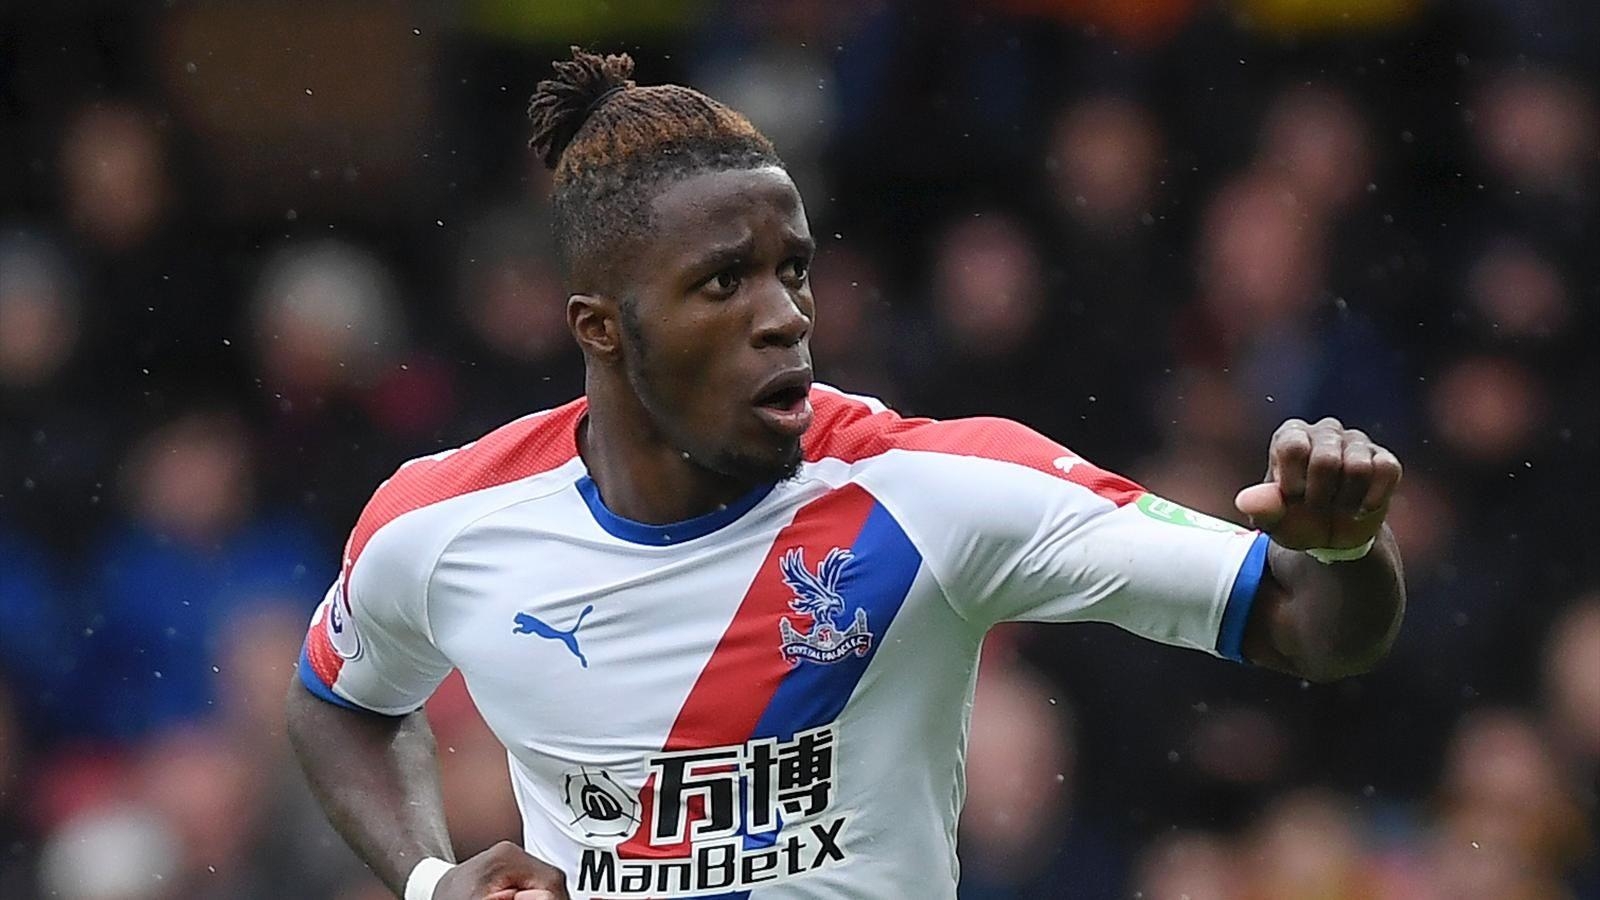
(1330, 555)
(425, 877)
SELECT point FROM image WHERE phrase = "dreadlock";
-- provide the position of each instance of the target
(614, 145)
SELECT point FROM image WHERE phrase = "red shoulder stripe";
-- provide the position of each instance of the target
(849, 429)
(515, 451)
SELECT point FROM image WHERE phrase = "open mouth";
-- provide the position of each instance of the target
(784, 398)
(784, 403)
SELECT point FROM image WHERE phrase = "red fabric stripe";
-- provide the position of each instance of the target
(847, 429)
(519, 450)
(746, 667)
(325, 661)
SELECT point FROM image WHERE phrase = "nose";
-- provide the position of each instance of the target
(780, 320)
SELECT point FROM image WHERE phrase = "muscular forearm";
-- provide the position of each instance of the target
(1329, 621)
(377, 779)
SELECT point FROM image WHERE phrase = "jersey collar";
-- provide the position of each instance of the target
(673, 533)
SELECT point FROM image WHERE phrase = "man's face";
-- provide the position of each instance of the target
(717, 329)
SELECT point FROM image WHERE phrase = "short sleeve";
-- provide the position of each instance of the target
(370, 645)
(1150, 566)
(1018, 528)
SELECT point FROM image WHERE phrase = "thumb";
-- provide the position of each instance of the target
(1263, 503)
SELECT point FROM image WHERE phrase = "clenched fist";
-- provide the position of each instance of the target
(1327, 486)
(502, 872)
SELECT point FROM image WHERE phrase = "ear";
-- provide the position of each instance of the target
(594, 323)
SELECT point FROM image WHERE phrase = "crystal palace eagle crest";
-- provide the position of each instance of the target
(816, 595)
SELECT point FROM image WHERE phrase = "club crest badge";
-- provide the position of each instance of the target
(816, 595)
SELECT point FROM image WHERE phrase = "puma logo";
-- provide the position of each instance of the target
(527, 624)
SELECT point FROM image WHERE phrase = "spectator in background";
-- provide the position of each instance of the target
(293, 849)
(1318, 139)
(1107, 275)
(1019, 838)
(851, 348)
(346, 396)
(114, 180)
(518, 356)
(1536, 130)
(1188, 865)
(151, 273)
(192, 558)
(1264, 314)
(119, 852)
(1572, 692)
(770, 59)
(56, 442)
(210, 794)
(1571, 707)
(1308, 846)
(990, 351)
(1503, 792)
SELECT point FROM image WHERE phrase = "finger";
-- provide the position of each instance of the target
(1386, 473)
(1322, 468)
(1355, 474)
(1291, 448)
(540, 894)
(1263, 504)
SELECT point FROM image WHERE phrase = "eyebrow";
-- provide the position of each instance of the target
(723, 254)
(809, 245)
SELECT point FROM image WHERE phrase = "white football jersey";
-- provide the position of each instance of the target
(769, 700)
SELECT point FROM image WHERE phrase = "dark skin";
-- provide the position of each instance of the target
(697, 355)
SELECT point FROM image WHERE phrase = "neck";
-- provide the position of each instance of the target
(641, 476)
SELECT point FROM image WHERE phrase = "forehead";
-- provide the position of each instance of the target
(717, 208)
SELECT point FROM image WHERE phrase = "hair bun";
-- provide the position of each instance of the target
(561, 104)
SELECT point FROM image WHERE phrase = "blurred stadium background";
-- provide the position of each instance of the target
(255, 254)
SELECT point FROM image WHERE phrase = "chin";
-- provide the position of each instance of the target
(763, 467)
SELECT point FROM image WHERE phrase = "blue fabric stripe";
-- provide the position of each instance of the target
(877, 580)
(308, 677)
(1230, 637)
(665, 535)
(813, 694)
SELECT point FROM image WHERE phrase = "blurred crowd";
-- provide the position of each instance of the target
(255, 254)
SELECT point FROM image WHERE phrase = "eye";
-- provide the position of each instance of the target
(794, 271)
(722, 285)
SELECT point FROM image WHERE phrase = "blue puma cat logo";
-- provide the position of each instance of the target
(527, 624)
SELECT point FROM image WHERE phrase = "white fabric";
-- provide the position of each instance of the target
(424, 878)
(992, 539)
(1330, 555)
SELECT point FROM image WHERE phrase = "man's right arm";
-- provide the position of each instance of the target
(377, 779)
(355, 720)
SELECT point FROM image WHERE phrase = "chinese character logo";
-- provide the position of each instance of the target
(761, 781)
(816, 595)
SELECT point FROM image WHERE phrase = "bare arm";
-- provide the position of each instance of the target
(377, 778)
(1327, 487)
(1326, 622)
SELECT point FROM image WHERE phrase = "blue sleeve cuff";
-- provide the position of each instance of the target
(308, 677)
(1230, 637)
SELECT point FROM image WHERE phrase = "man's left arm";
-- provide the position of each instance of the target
(1334, 611)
